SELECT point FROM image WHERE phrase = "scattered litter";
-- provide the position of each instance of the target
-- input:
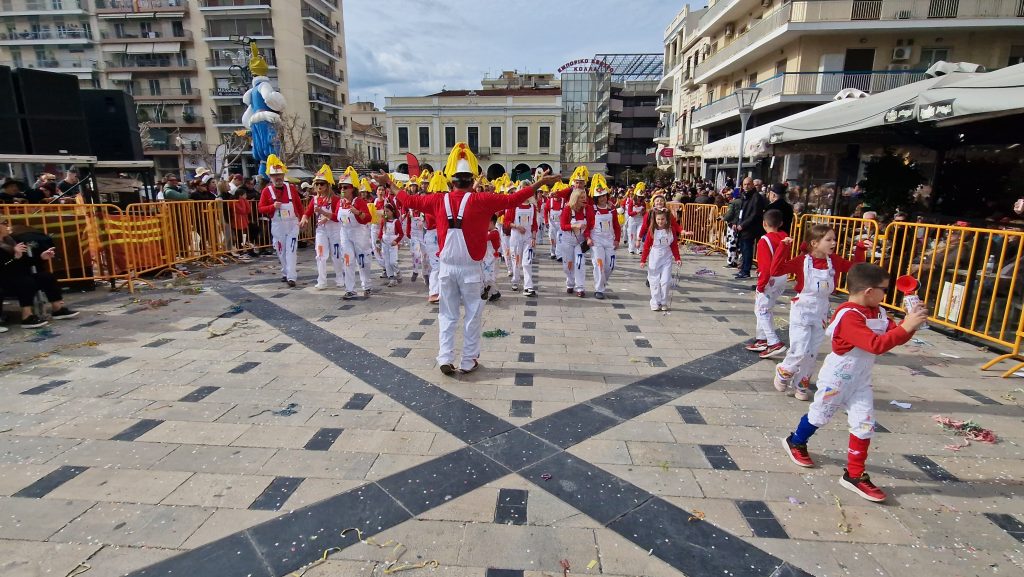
(155, 303)
(592, 564)
(288, 411)
(232, 310)
(795, 501)
(79, 569)
(921, 342)
(13, 364)
(703, 271)
(546, 476)
(697, 516)
(1009, 397)
(967, 429)
(664, 466)
(900, 404)
(390, 566)
(966, 443)
(496, 333)
(7, 430)
(192, 290)
(915, 372)
(44, 332)
(565, 567)
(844, 526)
(650, 552)
(214, 333)
(949, 355)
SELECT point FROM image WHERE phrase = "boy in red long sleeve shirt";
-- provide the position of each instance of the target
(281, 202)
(769, 288)
(860, 331)
(520, 224)
(577, 221)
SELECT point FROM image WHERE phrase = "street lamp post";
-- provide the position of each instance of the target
(746, 97)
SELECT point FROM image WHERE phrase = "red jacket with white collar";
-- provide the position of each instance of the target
(585, 213)
(510, 217)
(649, 243)
(317, 202)
(634, 208)
(615, 220)
(396, 226)
(266, 205)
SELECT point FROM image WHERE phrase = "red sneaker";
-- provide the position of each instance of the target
(772, 351)
(757, 346)
(863, 487)
(797, 453)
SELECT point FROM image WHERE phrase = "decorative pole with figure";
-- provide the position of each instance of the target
(264, 106)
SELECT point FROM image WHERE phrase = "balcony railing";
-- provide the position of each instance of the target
(324, 45)
(825, 11)
(48, 35)
(145, 92)
(45, 6)
(179, 36)
(825, 84)
(321, 70)
(319, 17)
(226, 92)
(140, 5)
(219, 60)
(323, 98)
(233, 3)
(154, 63)
(51, 64)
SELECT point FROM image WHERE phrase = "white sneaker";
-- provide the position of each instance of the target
(3, 329)
(320, 287)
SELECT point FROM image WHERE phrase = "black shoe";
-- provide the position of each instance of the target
(494, 296)
(448, 369)
(529, 292)
(284, 279)
(569, 291)
(291, 284)
(476, 365)
(414, 276)
(599, 296)
(348, 296)
(33, 322)
(64, 313)
(486, 293)
(559, 260)
(647, 283)
(741, 276)
(553, 257)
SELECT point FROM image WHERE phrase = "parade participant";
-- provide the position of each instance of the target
(554, 205)
(769, 288)
(324, 207)
(815, 281)
(520, 224)
(490, 259)
(658, 202)
(577, 221)
(389, 238)
(462, 223)
(280, 201)
(438, 183)
(354, 218)
(605, 235)
(859, 332)
(661, 248)
(415, 229)
(636, 209)
(377, 213)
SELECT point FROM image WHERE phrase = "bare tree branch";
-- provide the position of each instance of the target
(294, 139)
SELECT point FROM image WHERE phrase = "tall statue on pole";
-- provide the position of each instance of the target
(262, 116)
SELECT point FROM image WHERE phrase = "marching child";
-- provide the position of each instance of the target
(576, 221)
(662, 238)
(636, 207)
(324, 208)
(553, 206)
(859, 332)
(388, 238)
(769, 288)
(491, 256)
(815, 281)
(520, 225)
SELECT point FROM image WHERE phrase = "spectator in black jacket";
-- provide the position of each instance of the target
(777, 196)
(22, 275)
(749, 227)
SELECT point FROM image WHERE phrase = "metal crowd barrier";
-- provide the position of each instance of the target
(704, 221)
(849, 231)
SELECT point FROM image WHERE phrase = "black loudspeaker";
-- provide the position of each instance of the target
(50, 106)
(11, 139)
(56, 136)
(113, 127)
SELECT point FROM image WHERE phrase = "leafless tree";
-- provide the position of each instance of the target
(144, 136)
(294, 139)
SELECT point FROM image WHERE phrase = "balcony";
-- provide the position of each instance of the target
(226, 92)
(153, 65)
(154, 7)
(325, 72)
(315, 97)
(60, 36)
(69, 65)
(318, 19)
(324, 47)
(219, 60)
(804, 87)
(664, 103)
(832, 16)
(112, 37)
(234, 7)
(161, 95)
(44, 8)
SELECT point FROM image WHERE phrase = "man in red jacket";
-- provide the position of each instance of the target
(281, 202)
(463, 218)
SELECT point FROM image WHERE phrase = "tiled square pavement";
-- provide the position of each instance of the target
(627, 442)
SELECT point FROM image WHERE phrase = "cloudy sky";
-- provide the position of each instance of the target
(416, 47)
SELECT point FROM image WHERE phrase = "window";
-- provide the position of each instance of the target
(780, 67)
(185, 85)
(424, 137)
(449, 137)
(154, 87)
(473, 138)
(523, 136)
(752, 80)
(403, 137)
(177, 29)
(495, 137)
(1016, 55)
(545, 136)
(737, 85)
(930, 56)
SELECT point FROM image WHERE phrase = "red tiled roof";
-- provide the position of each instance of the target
(502, 92)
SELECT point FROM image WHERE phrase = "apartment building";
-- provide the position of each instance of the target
(181, 59)
(369, 141)
(511, 130)
(800, 53)
(679, 144)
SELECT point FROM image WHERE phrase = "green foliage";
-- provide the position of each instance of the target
(889, 182)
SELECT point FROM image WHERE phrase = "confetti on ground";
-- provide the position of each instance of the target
(496, 333)
(8, 365)
(915, 372)
(546, 476)
(288, 411)
(389, 566)
(704, 272)
(155, 303)
(921, 342)
(214, 333)
(697, 516)
(795, 501)
(949, 355)
(968, 429)
(44, 332)
(844, 526)
(957, 447)
(591, 565)
(664, 466)
(900, 404)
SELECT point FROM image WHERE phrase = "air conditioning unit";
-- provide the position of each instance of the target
(901, 53)
(730, 29)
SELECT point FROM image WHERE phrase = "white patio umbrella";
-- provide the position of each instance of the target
(979, 97)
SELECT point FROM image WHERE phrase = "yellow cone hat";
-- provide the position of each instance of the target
(598, 186)
(461, 160)
(324, 175)
(275, 166)
(350, 177)
(438, 183)
(581, 173)
(639, 189)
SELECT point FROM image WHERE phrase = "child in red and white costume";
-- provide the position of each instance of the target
(815, 282)
(553, 206)
(636, 209)
(577, 221)
(438, 184)
(605, 235)
(323, 206)
(661, 249)
(415, 229)
(859, 332)
(389, 238)
(769, 288)
(490, 262)
(282, 203)
(356, 244)
(520, 224)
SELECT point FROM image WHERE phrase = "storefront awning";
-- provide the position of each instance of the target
(120, 76)
(979, 97)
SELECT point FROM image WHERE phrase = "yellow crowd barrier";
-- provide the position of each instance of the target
(849, 232)
(704, 222)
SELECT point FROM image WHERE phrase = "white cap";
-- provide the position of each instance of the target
(463, 166)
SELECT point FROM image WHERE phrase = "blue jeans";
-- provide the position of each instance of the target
(746, 255)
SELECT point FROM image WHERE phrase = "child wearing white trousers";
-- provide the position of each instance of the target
(660, 251)
(605, 238)
(577, 221)
(769, 288)
(521, 226)
(389, 238)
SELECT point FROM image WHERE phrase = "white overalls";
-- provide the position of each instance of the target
(461, 280)
(808, 317)
(521, 247)
(602, 238)
(328, 244)
(284, 228)
(555, 206)
(659, 267)
(764, 303)
(417, 244)
(389, 252)
(845, 381)
(572, 255)
(355, 247)
(633, 223)
(506, 250)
